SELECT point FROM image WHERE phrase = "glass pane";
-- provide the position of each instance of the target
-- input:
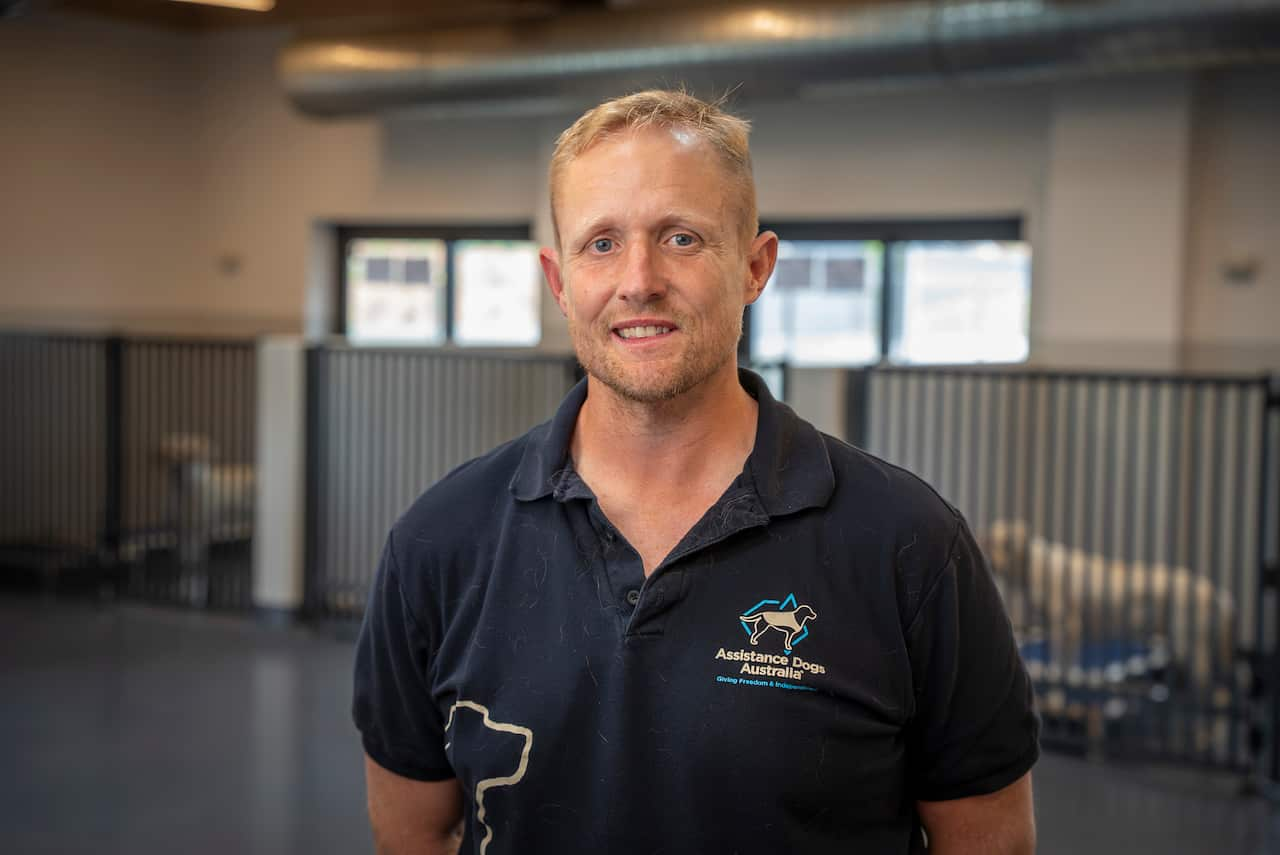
(496, 301)
(961, 301)
(417, 270)
(396, 291)
(792, 272)
(377, 269)
(822, 305)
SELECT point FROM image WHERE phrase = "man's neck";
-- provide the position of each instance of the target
(649, 447)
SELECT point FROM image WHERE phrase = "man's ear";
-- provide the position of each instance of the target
(550, 261)
(761, 259)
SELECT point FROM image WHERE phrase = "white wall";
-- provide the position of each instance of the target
(1236, 218)
(97, 174)
(162, 179)
(271, 175)
(931, 153)
(1115, 221)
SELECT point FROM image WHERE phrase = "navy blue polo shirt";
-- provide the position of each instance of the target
(824, 648)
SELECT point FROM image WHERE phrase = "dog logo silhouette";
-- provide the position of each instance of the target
(786, 616)
(499, 749)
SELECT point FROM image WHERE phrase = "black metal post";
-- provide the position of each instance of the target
(314, 384)
(113, 420)
(857, 418)
(1271, 578)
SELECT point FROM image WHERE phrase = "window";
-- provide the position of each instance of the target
(474, 286)
(961, 301)
(395, 291)
(822, 305)
(915, 292)
(498, 293)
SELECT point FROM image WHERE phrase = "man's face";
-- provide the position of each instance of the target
(652, 271)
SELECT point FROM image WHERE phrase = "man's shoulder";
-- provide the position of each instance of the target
(468, 498)
(884, 488)
(895, 513)
(894, 505)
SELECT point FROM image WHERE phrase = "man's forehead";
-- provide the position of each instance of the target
(676, 135)
(629, 141)
(677, 173)
(655, 207)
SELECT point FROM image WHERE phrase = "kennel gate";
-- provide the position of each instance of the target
(127, 465)
(1130, 520)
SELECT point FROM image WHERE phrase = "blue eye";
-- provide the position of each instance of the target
(602, 244)
(682, 239)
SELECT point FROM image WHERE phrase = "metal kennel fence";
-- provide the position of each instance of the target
(127, 463)
(382, 426)
(55, 474)
(1130, 521)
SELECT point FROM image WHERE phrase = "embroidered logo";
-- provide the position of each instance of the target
(772, 669)
(786, 616)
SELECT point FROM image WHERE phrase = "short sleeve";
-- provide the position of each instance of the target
(975, 728)
(400, 725)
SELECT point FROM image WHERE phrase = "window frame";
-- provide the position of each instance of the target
(888, 233)
(450, 234)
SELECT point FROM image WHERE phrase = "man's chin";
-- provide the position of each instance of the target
(650, 384)
(649, 390)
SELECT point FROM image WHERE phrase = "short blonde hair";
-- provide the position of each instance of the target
(664, 108)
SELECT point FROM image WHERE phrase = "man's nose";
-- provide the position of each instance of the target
(643, 278)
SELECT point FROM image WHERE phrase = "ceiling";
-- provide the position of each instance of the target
(318, 14)
(347, 16)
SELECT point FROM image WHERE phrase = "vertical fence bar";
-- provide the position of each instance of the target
(1217, 572)
(42, 487)
(1239, 746)
(58, 436)
(1136, 614)
(201, 381)
(164, 511)
(235, 491)
(1081, 511)
(314, 474)
(1269, 574)
(1116, 643)
(113, 417)
(1195, 575)
(857, 418)
(919, 422)
(345, 450)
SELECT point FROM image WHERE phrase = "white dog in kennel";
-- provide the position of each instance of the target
(1064, 595)
(208, 502)
(1070, 588)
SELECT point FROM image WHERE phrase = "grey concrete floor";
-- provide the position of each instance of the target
(127, 729)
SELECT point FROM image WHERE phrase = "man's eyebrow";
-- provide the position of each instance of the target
(676, 218)
(599, 224)
(708, 226)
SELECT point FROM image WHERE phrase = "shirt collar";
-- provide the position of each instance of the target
(789, 464)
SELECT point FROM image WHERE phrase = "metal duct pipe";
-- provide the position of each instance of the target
(767, 49)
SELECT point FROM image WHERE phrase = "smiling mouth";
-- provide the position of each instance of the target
(653, 331)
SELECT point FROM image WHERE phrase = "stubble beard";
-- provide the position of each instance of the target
(655, 382)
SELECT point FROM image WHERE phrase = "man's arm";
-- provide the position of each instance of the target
(412, 817)
(999, 823)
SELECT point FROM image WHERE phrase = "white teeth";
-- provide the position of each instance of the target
(642, 332)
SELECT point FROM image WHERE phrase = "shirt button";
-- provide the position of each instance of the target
(633, 597)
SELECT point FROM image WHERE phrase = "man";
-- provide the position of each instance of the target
(677, 618)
